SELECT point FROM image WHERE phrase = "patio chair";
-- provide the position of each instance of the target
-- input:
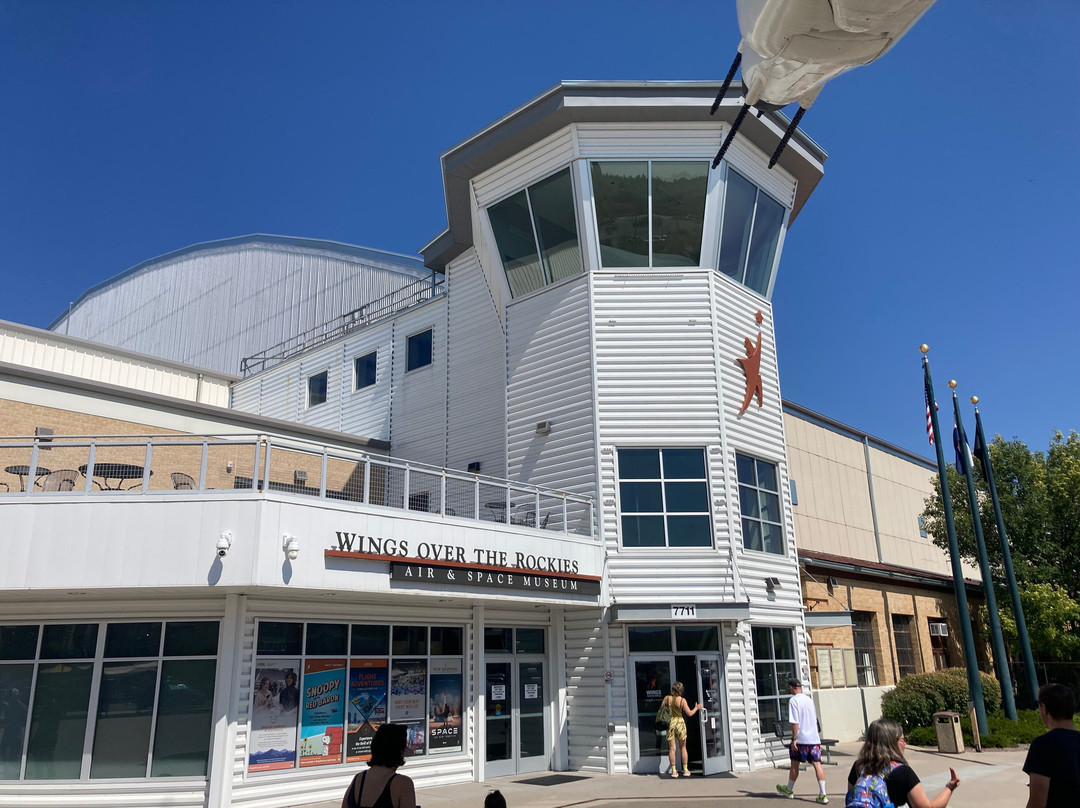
(182, 482)
(61, 480)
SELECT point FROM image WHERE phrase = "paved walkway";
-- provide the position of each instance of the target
(992, 779)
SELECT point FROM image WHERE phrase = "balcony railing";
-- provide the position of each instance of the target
(183, 464)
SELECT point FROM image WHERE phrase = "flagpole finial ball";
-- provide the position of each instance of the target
(974, 399)
(952, 383)
(924, 347)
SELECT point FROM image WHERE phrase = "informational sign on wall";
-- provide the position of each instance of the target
(444, 718)
(321, 739)
(274, 714)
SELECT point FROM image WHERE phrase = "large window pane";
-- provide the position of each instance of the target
(418, 350)
(513, 230)
(410, 640)
(689, 531)
(185, 706)
(684, 464)
(14, 705)
(638, 464)
(58, 720)
(327, 639)
(279, 638)
(191, 638)
(370, 640)
(556, 225)
(704, 638)
(643, 531)
(739, 198)
(77, 641)
(18, 642)
(678, 210)
(686, 497)
(648, 638)
(446, 641)
(621, 198)
(124, 716)
(641, 496)
(759, 263)
(133, 639)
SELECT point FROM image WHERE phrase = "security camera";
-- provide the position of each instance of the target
(224, 542)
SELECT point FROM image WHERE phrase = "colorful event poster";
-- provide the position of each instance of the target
(274, 713)
(324, 712)
(408, 690)
(415, 737)
(367, 706)
(444, 715)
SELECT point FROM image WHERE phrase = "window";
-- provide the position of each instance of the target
(364, 370)
(922, 527)
(664, 498)
(151, 716)
(321, 690)
(418, 351)
(774, 664)
(862, 632)
(939, 642)
(759, 502)
(536, 234)
(316, 388)
(650, 213)
(905, 651)
(749, 233)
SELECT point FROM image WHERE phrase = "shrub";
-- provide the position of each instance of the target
(916, 698)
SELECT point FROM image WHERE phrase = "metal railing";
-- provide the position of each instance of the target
(403, 298)
(183, 464)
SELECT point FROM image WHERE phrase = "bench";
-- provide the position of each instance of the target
(783, 735)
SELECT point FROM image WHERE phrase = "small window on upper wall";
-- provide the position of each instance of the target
(364, 370)
(316, 388)
(759, 503)
(536, 234)
(418, 351)
(650, 213)
(750, 233)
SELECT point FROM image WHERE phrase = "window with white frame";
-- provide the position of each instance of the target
(650, 212)
(749, 233)
(321, 690)
(317, 384)
(664, 497)
(759, 504)
(537, 235)
(364, 368)
(418, 350)
(774, 665)
(110, 699)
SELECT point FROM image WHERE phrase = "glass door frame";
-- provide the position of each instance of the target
(711, 718)
(516, 764)
(650, 764)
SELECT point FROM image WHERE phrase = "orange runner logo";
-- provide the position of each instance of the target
(751, 366)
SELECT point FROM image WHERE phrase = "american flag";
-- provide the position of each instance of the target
(929, 418)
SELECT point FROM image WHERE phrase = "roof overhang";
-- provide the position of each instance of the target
(606, 102)
(827, 619)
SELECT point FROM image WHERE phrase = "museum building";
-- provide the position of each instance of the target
(505, 498)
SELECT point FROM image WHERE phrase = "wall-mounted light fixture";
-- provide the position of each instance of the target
(290, 546)
(543, 427)
(771, 585)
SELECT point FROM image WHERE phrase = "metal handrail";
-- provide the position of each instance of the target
(402, 298)
(238, 462)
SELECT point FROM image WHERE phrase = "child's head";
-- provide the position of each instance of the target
(495, 800)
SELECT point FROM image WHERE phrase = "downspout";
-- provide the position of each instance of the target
(873, 504)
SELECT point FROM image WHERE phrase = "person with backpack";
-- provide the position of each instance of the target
(881, 777)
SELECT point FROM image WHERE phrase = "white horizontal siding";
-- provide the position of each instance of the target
(476, 378)
(587, 734)
(549, 378)
(524, 168)
(418, 398)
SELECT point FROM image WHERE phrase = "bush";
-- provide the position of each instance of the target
(916, 698)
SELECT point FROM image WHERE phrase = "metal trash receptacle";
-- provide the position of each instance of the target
(950, 738)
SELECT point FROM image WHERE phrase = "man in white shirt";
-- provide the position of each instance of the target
(805, 741)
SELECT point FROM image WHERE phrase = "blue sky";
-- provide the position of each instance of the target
(948, 213)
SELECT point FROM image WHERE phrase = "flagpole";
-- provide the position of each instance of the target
(1001, 659)
(1006, 554)
(971, 663)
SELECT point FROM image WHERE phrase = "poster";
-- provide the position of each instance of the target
(444, 715)
(367, 706)
(324, 712)
(415, 737)
(274, 713)
(408, 690)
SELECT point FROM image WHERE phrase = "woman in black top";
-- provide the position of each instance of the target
(385, 789)
(883, 745)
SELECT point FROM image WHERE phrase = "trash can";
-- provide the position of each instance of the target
(950, 738)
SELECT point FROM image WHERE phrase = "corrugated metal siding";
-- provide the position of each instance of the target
(214, 307)
(42, 350)
(476, 372)
(418, 398)
(524, 168)
(738, 669)
(587, 734)
(549, 378)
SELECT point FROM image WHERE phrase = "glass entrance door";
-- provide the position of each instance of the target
(714, 747)
(652, 681)
(516, 713)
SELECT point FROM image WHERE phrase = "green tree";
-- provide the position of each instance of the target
(1040, 504)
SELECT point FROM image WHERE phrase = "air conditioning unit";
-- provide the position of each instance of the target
(939, 630)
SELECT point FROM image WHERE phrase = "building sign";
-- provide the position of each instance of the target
(455, 565)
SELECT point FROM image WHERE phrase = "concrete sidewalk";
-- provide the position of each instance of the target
(992, 779)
